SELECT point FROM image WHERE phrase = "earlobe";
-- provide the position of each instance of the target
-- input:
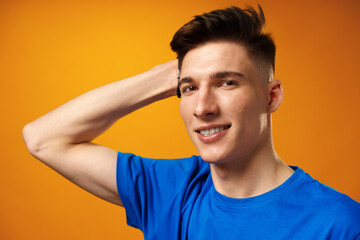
(275, 95)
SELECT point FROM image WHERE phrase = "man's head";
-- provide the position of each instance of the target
(244, 26)
(226, 96)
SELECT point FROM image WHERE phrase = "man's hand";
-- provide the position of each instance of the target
(62, 138)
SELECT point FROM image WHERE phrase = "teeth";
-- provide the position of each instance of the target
(207, 132)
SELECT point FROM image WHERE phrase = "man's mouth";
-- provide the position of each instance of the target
(210, 131)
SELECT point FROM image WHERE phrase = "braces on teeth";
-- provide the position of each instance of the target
(207, 132)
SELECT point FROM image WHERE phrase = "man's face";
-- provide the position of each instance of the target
(224, 101)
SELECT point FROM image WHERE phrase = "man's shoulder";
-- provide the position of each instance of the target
(336, 202)
(181, 167)
(328, 201)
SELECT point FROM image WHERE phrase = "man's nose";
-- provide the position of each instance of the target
(206, 104)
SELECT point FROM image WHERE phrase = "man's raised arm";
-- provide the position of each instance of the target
(62, 138)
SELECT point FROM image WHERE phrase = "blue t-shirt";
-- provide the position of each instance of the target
(176, 199)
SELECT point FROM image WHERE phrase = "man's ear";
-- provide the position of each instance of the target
(275, 95)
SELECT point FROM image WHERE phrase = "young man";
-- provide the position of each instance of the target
(238, 188)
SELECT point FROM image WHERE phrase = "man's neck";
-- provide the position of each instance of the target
(250, 177)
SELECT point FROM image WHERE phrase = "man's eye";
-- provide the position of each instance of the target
(227, 83)
(189, 89)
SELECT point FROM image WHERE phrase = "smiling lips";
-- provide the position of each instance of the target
(211, 134)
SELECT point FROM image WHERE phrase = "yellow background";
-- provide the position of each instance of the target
(53, 51)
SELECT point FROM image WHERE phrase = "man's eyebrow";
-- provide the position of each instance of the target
(227, 74)
(185, 80)
(216, 75)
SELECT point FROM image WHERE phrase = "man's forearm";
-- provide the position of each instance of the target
(87, 116)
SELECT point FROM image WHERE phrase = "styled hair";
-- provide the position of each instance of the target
(244, 26)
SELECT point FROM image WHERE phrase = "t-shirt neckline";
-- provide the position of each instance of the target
(239, 203)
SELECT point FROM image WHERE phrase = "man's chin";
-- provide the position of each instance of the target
(212, 158)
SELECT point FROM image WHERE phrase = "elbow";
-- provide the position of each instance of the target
(31, 140)
(39, 144)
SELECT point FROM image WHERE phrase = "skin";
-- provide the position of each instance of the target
(62, 138)
(243, 161)
(223, 87)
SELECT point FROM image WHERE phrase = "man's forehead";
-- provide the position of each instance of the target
(215, 54)
(219, 58)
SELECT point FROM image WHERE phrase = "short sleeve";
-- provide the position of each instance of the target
(153, 190)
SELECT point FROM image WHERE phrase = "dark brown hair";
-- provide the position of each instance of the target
(244, 26)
